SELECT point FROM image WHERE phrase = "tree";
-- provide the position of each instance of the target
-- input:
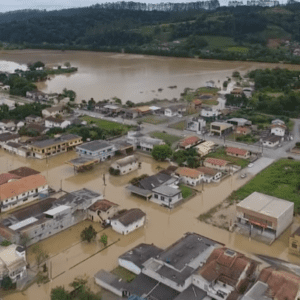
(161, 152)
(129, 103)
(40, 254)
(59, 293)
(67, 64)
(88, 234)
(5, 243)
(69, 93)
(103, 239)
(7, 283)
(225, 84)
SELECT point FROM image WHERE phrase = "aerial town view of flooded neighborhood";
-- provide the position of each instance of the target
(150, 151)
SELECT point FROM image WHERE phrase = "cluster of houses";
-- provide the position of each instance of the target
(197, 267)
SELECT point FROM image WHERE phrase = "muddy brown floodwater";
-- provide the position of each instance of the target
(163, 226)
(128, 76)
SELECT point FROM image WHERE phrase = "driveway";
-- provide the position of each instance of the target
(259, 165)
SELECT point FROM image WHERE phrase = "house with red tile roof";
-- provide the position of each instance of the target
(244, 130)
(189, 176)
(102, 210)
(237, 152)
(6, 177)
(189, 142)
(216, 163)
(210, 174)
(21, 191)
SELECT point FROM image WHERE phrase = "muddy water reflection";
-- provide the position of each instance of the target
(130, 77)
(163, 226)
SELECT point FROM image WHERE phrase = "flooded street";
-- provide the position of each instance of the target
(128, 76)
(163, 226)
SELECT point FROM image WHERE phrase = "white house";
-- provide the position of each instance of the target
(209, 112)
(5, 88)
(13, 262)
(128, 221)
(102, 210)
(21, 191)
(210, 84)
(190, 176)
(8, 137)
(167, 195)
(174, 111)
(17, 149)
(196, 124)
(53, 111)
(51, 122)
(10, 103)
(278, 122)
(278, 130)
(210, 175)
(148, 143)
(271, 141)
(126, 164)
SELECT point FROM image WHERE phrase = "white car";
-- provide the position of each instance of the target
(250, 165)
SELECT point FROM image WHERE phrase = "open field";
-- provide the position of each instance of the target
(104, 124)
(238, 49)
(179, 125)
(186, 191)
(219, 41)
(210, 102)
(167, 138)
(221, 154)
(280, 179)
(154, 119)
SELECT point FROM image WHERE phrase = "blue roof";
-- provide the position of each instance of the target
(134, 297)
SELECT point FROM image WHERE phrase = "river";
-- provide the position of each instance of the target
(128, 76)
(163, 226)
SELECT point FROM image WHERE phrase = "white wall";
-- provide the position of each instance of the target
(126, 169)
(120, 228)
(278, 131)
(128, 265)
(192, 181)
(285, 220)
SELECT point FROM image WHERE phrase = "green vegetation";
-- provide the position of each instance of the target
(41, 255)
(248, 139)
(114, 172)
(7, 284)
(124, 274)
(167, 138)
(281, 180)
(104, 124)
(221, 154)
(188, 157)
(209, 214)
(5, 243)
(179, 126)
(186, 191)
(104, 239)
(88, 234)
(154, 119)
(210, 102)
(161, 152)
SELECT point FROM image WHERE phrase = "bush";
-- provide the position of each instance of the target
(136, 180)
(161, 152)
(88, 234)
(7, 284)
(5, 243)
(114, 172)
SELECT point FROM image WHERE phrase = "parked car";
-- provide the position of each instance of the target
(250, 165)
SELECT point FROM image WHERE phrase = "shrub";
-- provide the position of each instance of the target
(5, 243)
(88, 234)
(114, 172)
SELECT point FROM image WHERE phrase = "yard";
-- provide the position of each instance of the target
(186, 191)
(219, 41)
(123, 273)
(221, 154)
(167, 138)
(179, 125)
(104, 124)
(281, 180)
(154, 119)
(210, 102)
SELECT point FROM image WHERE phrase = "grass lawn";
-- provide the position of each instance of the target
(179, 126)
(186, 191)
(210, 102)
(205, 90)
(154, 119)
(124, 274)
(104, 124)
(167, 138)
(281, 180)
(221, 154)
(238, 49)
(219, 41)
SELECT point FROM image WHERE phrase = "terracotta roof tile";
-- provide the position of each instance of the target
(5, 177)
(207, 171)
(216, 161)
(189, 141)
(24, 172)
(237, 151)
(102, 205)
(14, 188)
(130, 216)
(193, 173)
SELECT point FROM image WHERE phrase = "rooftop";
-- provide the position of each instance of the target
(51, 142)
(130, 216)
(226, 125)
(150, 140)
(24, 172)
(237, 151)
(189, 141)
(188, 172)
(55, 120)
(7, 136)
(14, 145)
(141, 253)
(142, 108)
(6, 177)
(95, 145)
(103, 205)
(216, 161)
(272, 138)
(208, 171)
(192, 293)
(265, 204)
(154, 181)
(258, 291)
(166, 191)
(126, 160)
(56, 210)
(54, 108)
(10, 258)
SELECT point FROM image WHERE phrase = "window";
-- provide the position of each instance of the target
(162, 198)
(294, 245)
(155, 196)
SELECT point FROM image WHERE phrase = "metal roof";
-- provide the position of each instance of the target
(167, 191)
(57, 210)
(23, 223)
(94, 145)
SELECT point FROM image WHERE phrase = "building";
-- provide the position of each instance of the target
(10, 103)
(175, 111)
(271, 141)
(235, 3)
(147, 143)
(210, 84)
(237, 92)
(210, 175)
(133, 259)
(102, 210)
(275, 284)
(277, 122)
(129, 113)
(23, 172)
(237, 152)
(133, 138)
(156, 110)
(143, 110)
(126, 164)
(53, 111)
(167, 195)
(278, 130)
(189, 176)
(205, 148)
(36, 96)
(189, 142)
(239, 122)
(110, 109)
(16, 148)
(220, 128)
(244, 130)
(196, 124)
(196, 104)
(50, 147)
(48, 217)
(264, 215)
(39, 129)
(128, 221)
(215, 163)
(33, 119)
(294, 242)
(224, 274)
(265, 3)
(210, 113)
(8, 137)
(52, 122)
(13, 262)
(99, 149)
(6, 177)
(21, 191)
(5, 88)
